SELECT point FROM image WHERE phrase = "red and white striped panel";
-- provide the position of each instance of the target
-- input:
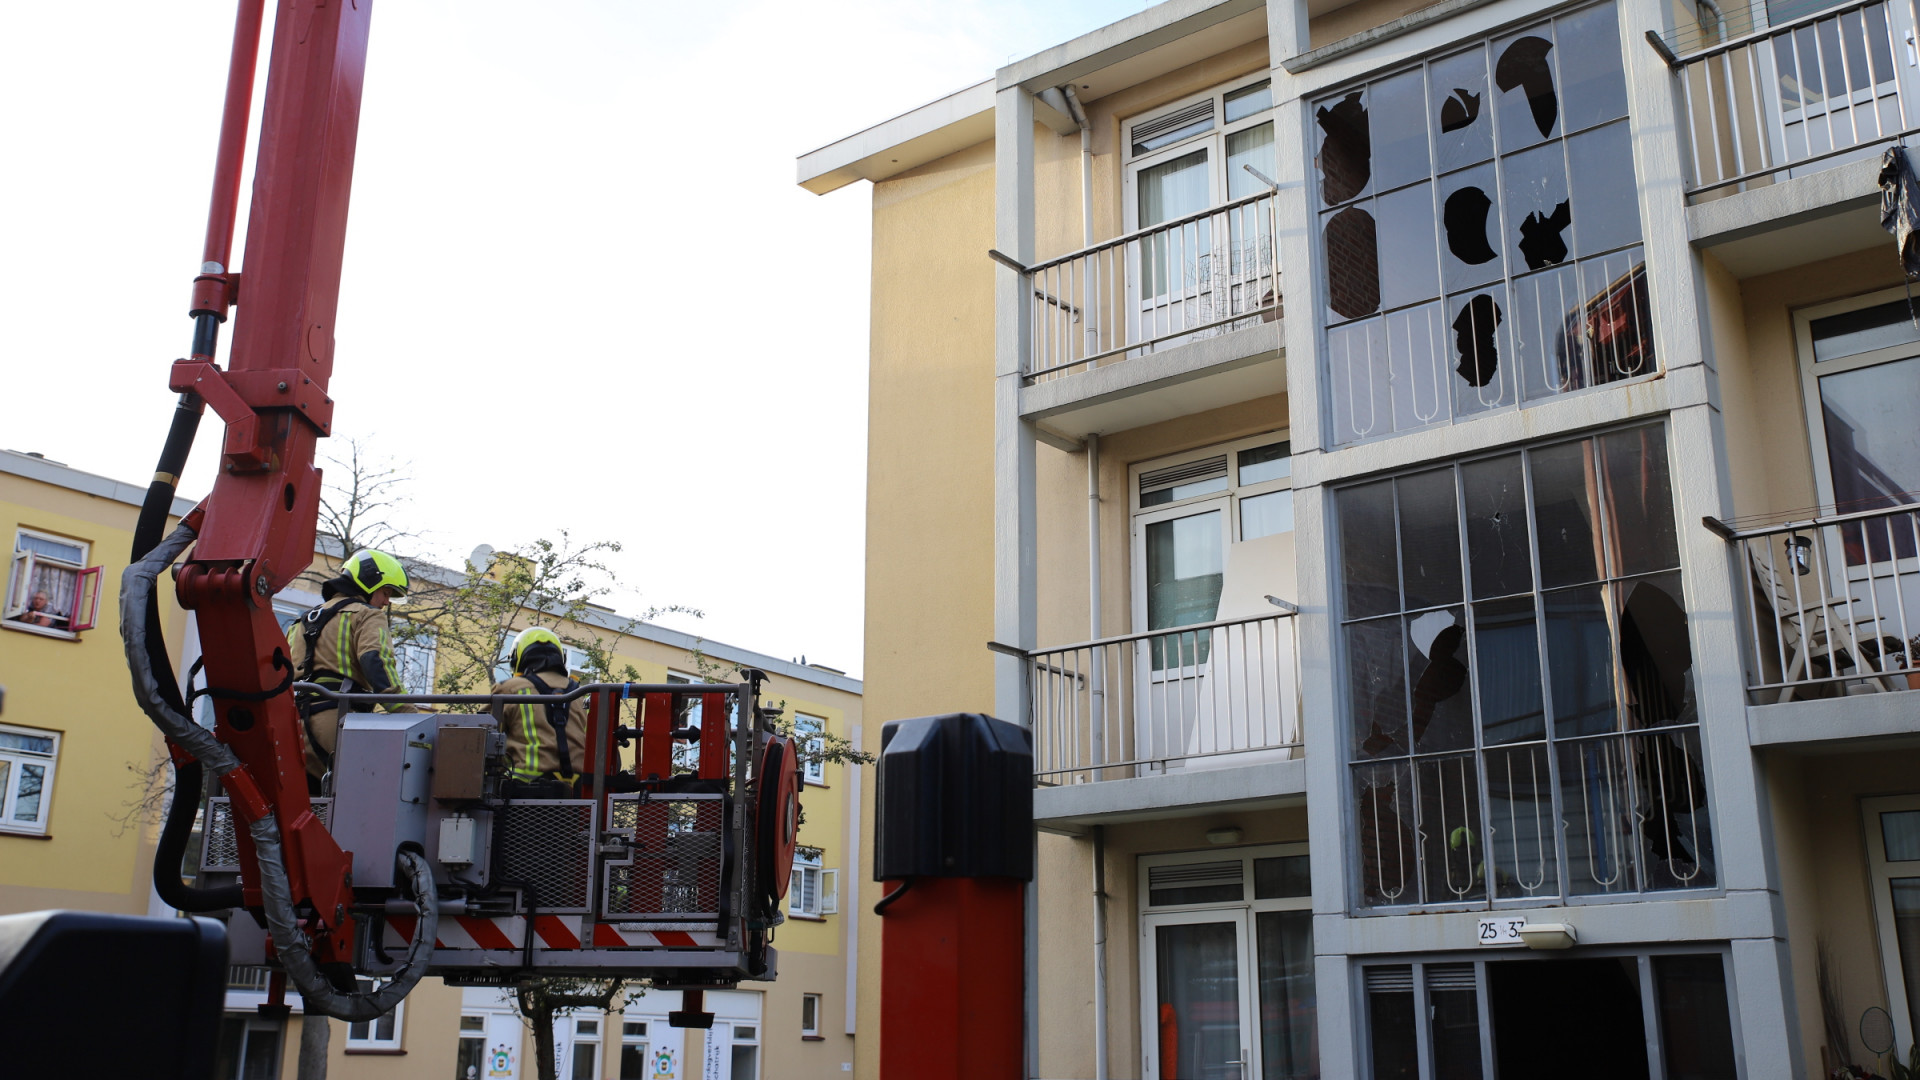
(508, 933)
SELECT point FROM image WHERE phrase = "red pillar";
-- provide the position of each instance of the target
(951, 976)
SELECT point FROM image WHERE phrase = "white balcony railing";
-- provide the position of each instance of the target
(1203, 274)
(1215, 694)
(1799, 96)
(1833, 604)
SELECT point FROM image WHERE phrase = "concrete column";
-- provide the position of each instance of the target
(1014, 560)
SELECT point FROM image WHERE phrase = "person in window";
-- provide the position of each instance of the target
(345, 644)
(541, 737)
(39, 613)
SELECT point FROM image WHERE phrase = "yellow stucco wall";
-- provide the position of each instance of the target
(96, 854)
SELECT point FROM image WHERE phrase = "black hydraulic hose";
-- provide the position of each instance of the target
(187, 778)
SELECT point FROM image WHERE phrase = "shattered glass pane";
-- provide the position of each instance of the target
(1357, 368)
(1591, 75)
(1404, 225)
(1346, 147)
(1520, 823)
(1507, 663)
(1460, 111)
(1353, 263)
(1549, 350)
(1639, 501)
(1605, 192)
(1383, 818)
(1470, 244)
(1482, 354)
(1670, 789)
(1566, 510)
(1377, 687)
(1498, 554)
(1656, 657)
(1527, 92)
(1450, 828)
(1442, 713)
(1580, 661)
(1416, 347)
(1596, 802)
(1368, 566)
(1398, 109)
(1429, 538)
(1538, 210)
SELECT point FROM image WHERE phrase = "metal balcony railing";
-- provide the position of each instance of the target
(1141, 704)
(1799, 96)
(1206, 273)
(1832, 604)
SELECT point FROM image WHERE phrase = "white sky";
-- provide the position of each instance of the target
(580, 276)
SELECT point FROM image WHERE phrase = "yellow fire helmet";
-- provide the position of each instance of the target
(372, 569)
(533, 635)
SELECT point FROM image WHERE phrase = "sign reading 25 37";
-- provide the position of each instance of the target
(1501, 931)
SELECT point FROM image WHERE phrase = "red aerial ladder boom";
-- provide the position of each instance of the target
(677, 875)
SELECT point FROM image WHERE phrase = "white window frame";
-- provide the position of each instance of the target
(814, 771)
(578, 1040)
(826, 889)
(813, 1003)
(424, 651)
(642, 1040)
(1214, 139)
(1881, 872)
(752, 1040)
(1228, 499)
(1810, 373)
(16, 760)
(464, 1034)
(20, 577)
(371, 1041)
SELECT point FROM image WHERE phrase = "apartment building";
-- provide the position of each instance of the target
(75, 763)
(1436, 481)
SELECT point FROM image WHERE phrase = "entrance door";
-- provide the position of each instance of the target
(1198, 1018)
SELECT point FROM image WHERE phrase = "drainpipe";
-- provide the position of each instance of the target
(1097, 697)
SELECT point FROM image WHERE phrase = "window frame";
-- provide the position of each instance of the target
(826, 888)
(1214, 139)
(9, 794)
(20, 569)
(1880, 874)
(591, 1041)
(811, 1003)
(1352, 868)
(424, 647)
(371, 1043)
(1811, 371)
(814, 772)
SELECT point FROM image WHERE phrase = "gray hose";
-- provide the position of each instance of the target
(276, 894)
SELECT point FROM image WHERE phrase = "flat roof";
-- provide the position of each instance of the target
(60, 474)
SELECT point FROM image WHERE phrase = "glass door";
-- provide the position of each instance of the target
(1178, 576)
(1198, 1019)
(1893, 854)
(1174, 263)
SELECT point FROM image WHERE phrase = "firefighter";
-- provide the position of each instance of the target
(344, 644)
(542, 738)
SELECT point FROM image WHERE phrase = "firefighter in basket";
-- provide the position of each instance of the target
(543, 738)
(345, 644)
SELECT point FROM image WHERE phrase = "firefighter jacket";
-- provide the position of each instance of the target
(543, 740)
(351, 650)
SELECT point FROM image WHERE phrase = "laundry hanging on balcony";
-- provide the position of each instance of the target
(1900, 207)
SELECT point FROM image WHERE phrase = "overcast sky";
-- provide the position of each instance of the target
(582, 289)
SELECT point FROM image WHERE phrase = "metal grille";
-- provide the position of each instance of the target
(678, 853)
(547, 846)
(220, 848)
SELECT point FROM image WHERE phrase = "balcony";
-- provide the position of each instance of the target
(1108, 323)
(1191, 719)
(1793, 99)
(1832, 625)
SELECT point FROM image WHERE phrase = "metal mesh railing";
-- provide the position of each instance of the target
(220, 848)
(678, 855)
(546, 846)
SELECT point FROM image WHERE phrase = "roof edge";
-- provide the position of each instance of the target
(907, 141)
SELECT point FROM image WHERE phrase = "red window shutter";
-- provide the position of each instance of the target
(88, 598)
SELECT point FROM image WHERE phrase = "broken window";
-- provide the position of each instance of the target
(1520, 678)
(1480, 220)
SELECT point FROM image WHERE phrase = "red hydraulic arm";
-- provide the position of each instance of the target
(256, 529)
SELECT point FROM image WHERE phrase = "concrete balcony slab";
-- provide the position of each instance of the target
(1837, 723)
(1073, 808)
(1176, 381)
(1796, 221)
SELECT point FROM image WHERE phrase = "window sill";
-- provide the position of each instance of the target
(43, 631)
(375, 1052)
(806, 918)
(813, 1038)
(814, 783)
(26, 835)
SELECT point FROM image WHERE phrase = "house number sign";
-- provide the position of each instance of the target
(1501, 931)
